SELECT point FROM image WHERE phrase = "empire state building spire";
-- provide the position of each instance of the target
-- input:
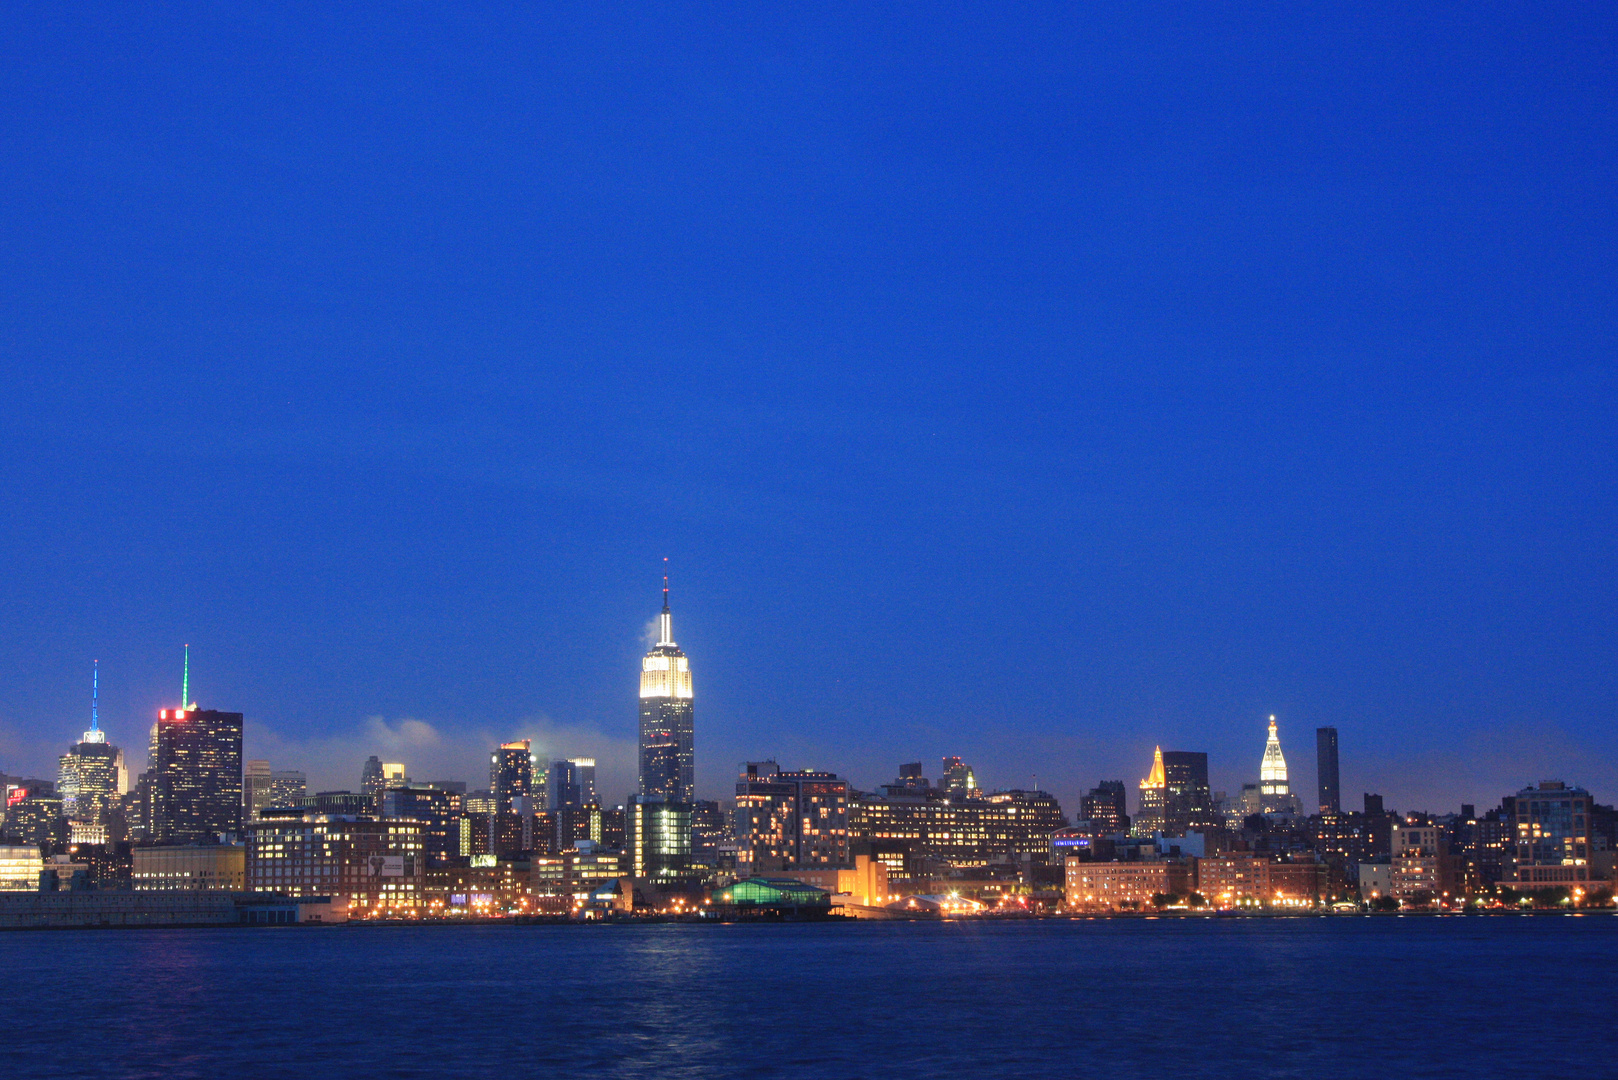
(665, 634)
(666, 738)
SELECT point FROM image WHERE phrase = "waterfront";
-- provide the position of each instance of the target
(1353, 997)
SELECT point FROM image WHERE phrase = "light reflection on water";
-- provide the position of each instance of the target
(1345, 997)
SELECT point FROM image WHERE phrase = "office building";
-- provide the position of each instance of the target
(574, 871)
(658, 840)
(92, 774)
(1552, 843)
(959, 780)
(256, 791)
(1331, 789)
(1126, 885)
(1420, 868)
(1019, 824)
(1187, 801)
(190, 866)
(377, 866)
(195, 776)
(790, 820)
(1274, 791)
(1236, 881)
(915, 830)
(1103, 806)
(667, 761)
(20, 867)
(287, 786)
(1153, 797)
(511, 775)
(572, 782)
(711, 829)
(35, 819)
(438, 811)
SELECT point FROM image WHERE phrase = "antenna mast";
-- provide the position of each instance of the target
(185, 682)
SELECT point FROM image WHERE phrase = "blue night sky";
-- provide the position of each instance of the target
(1035, 383)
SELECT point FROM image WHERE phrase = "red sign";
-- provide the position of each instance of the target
(16, 795)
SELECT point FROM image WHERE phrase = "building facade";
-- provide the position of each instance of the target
(1330, 785)
(195, 776)
(511, 777)
(1187, 800)
(667, 751)
(790, 820)
(196, 866)
(1552, 836)
(377, 866)
(572, 782)
(1234, 881)
(658, 840)
(1153, 797)
(1132, 885)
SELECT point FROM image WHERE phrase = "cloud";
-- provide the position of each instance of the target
(439, 752)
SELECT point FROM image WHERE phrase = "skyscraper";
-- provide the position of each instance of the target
(511, 775)
(1103, 806)
(92, 773)
(287, 786)
(195, 776)
(1275, 793)
(572, 782)
(790, 820)
(1153, 794)
(959, 780)
(371, 776)
(255, 789)
(1187, 802)
(1331, 791)
(666, 756)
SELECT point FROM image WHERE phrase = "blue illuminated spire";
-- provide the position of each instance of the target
(95, 734)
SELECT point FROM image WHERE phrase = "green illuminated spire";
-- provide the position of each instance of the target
(185, 681)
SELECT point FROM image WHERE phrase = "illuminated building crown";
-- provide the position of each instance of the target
(1156, 778)
(665, 672)
(1273, 770)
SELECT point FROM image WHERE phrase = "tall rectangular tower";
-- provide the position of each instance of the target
(195, 775)
(667, 758)
(1331, 791)
(511, 774)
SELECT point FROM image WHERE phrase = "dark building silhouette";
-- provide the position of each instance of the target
(667, 761)
(195, 776)
(1187, 801)
(1331, 790)
(1103, 806)
(572, 782)
(959, 780)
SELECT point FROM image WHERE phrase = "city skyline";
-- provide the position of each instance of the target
(721, 784)
(1039, 387)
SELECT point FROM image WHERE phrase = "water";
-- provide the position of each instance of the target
(1335, 997)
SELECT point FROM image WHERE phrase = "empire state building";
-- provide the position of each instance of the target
(666, 762)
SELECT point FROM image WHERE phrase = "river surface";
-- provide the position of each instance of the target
(1122, 998)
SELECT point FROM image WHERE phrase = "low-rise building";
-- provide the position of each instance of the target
(193, 866)
(1119, 885)
(574, 872)
(378, 866)
(1233, 881)
(20, 867)
(1553, 845)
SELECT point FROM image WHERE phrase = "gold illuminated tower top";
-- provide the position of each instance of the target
(665, 672)
(1156, 779)
(1272, 772)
